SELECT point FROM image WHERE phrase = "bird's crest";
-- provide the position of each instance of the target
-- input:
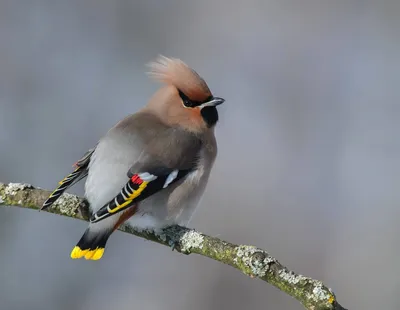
(175, 72)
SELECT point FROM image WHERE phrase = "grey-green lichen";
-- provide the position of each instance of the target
(319, 293)
(12, 188)
(291, 277)
(191, 239)
(65, 202)
(252, 257)
(315, 292)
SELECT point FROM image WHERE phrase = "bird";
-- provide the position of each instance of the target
(151, 168)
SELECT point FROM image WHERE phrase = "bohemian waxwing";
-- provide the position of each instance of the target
(152, 167)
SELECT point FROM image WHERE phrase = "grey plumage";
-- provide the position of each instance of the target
(133, 147)
(152, 167)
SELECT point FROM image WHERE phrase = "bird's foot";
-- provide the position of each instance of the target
(173, 244)
(83, 209)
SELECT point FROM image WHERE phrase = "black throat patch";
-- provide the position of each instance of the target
(210, 115)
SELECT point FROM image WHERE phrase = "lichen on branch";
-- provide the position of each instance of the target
(252, 261)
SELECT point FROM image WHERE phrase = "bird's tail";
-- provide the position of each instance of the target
(92, 244)
(80, 172)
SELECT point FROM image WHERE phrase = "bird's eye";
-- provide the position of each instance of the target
(186, 101)
(188, 104)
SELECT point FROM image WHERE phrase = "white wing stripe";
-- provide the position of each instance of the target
(148, 177)
(172, 176)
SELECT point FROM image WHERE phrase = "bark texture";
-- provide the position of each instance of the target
(252, 261)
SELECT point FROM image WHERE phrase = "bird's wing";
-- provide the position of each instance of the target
(166, 158)
(141, 185)
(80, 172)
(167, 155)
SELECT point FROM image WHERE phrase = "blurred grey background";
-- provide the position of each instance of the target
(311, 124)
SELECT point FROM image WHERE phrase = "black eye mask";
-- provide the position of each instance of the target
(209, 114)
(191, 103)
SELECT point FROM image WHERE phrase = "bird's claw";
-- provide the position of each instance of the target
(173, 244)
(83, 209)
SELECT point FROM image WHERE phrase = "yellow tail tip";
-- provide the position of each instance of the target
(96, 254)
(78, 253)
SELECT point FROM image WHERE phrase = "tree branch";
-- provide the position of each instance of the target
(254, 262)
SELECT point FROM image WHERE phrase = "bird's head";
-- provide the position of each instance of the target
(185, 100)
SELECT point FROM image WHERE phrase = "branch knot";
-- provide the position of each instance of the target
(257, 260)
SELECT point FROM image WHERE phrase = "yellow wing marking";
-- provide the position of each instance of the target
(135, 194)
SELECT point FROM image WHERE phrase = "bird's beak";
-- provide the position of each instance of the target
(213, 102)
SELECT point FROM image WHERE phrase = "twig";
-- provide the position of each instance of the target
(252, 261)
